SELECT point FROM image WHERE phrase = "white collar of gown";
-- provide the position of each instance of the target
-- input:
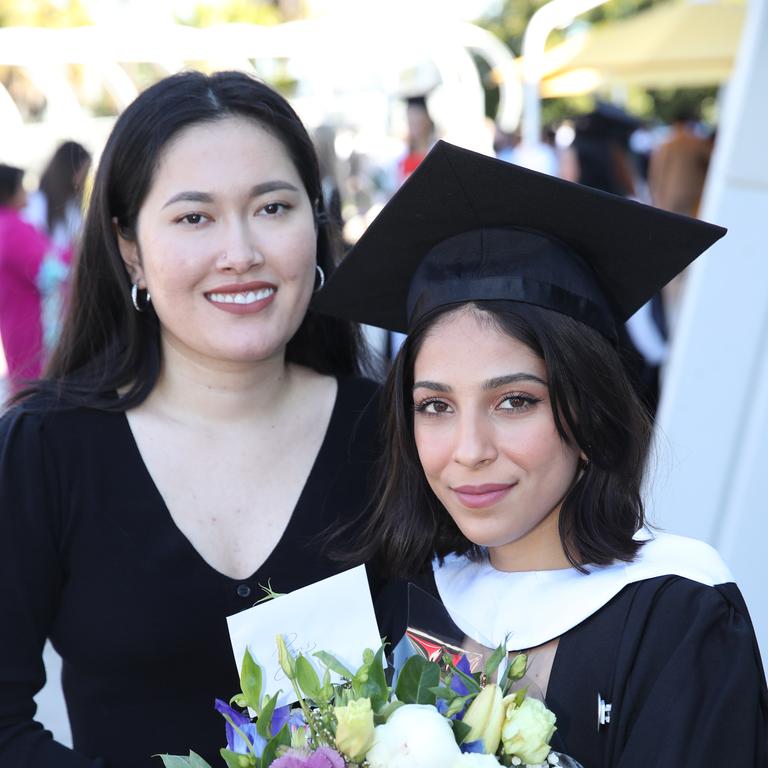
(532, 607)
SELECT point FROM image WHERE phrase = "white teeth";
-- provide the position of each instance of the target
(246, 297)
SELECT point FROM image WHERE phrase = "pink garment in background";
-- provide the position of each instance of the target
(23, 252)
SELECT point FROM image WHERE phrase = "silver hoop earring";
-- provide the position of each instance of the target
(135, 298)
(322, 277)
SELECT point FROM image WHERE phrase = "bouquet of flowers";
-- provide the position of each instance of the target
(437, 714)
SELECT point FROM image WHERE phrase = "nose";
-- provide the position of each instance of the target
(241, 250)
(475, 441)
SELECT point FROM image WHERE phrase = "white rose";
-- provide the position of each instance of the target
(527, 730)
(475, 760)
(415, 736)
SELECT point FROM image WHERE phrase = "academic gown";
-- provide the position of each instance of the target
(666, 641)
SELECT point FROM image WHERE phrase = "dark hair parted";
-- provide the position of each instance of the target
(594, 407)
(105, 344)
(60, 183)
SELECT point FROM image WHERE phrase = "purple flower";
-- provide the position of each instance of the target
(457, 684)
(235, 742)
(283, 715)
(473, 746)
(323, 757)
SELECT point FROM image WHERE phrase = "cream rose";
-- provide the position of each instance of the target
(527, 730)
(354, 728)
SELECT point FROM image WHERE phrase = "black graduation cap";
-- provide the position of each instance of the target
(467, 227)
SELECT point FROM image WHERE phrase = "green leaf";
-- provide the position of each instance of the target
(381, 717)
(370, 682)
(458, 704)
(327, 690)
(307, 678)
(415, 680)
(460, 731)
(334, 664)
(196, 761)
(175, 761)
(281, 739)
(265, 718)
(234, 760)
(251, 681)
(238, 699)
(441, 692)
(472, 684)
(493, 662)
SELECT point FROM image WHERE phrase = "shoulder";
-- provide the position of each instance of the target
(40, 419)
(665, 554)
(670, 609)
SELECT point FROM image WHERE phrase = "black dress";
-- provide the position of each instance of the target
(90, 558)
(678, 662)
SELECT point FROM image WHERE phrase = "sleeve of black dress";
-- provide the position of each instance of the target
(31, 575)
(694, 691)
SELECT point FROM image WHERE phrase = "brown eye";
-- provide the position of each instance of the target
(517, 402)
(433, 407)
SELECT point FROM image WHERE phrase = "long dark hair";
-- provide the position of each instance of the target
(594, 407)
(105, 345)
(59, 181)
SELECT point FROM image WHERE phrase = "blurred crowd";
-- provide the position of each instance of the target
(606, 148)
(38, 236)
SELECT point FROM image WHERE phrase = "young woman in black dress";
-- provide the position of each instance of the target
(196, 431)
(515, 453)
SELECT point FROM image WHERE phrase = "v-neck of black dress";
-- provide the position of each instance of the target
(297, 521)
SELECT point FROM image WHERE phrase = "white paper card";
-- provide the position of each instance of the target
(334, 615)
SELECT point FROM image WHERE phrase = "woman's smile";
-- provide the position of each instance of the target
(481, 496)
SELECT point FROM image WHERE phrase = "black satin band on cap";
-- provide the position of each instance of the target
(507, 288)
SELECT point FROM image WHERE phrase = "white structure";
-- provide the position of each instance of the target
(713, 418)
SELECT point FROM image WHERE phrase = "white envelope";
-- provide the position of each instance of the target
(334, 615)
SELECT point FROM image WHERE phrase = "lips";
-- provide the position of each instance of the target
(481, 496)
(242, 298)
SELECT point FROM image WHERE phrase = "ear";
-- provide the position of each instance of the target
(129, 250)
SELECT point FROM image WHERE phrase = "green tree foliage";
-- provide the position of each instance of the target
(43, 13)
(508, 21)
(211, 12)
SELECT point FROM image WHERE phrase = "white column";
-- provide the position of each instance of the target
(712, 436)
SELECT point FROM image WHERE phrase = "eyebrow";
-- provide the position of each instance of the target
(255, 191)
(494, 383)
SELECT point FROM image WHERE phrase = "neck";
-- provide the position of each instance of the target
(207, 391)
(538, 550)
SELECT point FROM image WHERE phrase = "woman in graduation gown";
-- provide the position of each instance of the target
(515, 455)
(197, 431)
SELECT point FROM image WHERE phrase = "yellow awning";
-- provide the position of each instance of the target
(677, 44)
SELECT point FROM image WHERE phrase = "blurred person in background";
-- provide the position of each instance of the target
(600, 158)
(32, 272)
(599, 155)
(55, 208)
(678, 167)
(676, 175)
(197, 431)
(420, 138)
(542, 156)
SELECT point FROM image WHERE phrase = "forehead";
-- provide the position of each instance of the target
(227, 148)
(468, 345)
